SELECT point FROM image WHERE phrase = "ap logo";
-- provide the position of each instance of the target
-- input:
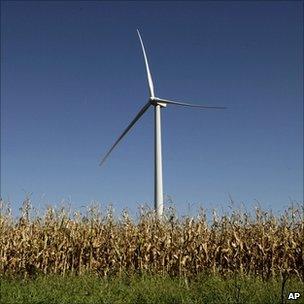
(293, 295)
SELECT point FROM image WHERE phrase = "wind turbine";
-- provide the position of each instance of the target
(157, 103)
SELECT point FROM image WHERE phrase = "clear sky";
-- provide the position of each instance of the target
(73, 77)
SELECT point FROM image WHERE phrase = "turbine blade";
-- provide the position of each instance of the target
(186, 104)
(140, 113)
(150, 82)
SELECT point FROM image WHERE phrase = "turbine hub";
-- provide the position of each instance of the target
(155, 102)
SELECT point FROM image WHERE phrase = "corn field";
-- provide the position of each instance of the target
(60, 243)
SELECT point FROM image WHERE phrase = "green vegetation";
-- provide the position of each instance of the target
(146, 289)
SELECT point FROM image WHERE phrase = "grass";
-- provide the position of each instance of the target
(146, 289)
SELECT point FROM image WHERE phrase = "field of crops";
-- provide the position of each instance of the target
(260, 244)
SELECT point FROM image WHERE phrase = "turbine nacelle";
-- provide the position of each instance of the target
(154, 101)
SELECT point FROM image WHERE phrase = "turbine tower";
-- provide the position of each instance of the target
(157, 103)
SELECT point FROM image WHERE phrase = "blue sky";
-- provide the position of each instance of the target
(73, 77)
